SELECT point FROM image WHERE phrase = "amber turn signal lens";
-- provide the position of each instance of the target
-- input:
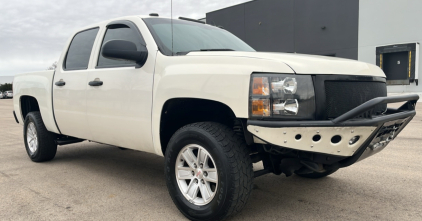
(260, 86)
(261, 107)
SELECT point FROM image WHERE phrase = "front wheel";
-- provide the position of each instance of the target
(208, 171)
(39, 142)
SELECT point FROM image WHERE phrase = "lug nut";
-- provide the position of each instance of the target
(194, 165)
(196, 180)
(193, 173)
(201, 165)
(205, 174)
(202, 181)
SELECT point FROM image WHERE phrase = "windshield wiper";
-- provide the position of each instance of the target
(217, 49)
(211, 49)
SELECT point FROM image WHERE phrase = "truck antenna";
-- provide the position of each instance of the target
(171, 20)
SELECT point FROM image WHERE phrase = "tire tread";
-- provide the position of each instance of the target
(47, 148)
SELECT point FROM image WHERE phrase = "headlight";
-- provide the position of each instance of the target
(287, 107)
(282, 96)
(288, 85)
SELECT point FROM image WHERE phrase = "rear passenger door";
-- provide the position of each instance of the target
(119, 110)
(69, 85)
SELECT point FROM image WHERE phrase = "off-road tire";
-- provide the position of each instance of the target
(47, 148)
(234, 166)
(316, 175)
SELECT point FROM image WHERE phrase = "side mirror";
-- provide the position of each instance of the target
(124, 50)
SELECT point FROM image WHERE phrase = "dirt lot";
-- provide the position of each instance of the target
(89, 181)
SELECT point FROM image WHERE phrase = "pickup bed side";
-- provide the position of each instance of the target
(38, 86)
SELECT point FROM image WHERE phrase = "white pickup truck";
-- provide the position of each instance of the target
(210, 104)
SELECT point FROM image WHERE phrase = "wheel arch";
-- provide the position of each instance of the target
(28, 104)
(178, 112)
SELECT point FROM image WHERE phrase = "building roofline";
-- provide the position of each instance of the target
(244, 3)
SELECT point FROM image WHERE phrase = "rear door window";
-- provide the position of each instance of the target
(77, 57)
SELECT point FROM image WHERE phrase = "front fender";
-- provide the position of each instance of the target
(223, 79)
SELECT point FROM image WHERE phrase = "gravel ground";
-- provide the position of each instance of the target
(89, 181)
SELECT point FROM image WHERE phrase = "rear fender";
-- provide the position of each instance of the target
(39, 86)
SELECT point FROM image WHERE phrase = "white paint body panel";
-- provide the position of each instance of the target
(219, 78)
(70, 103)
(38, 85)
(119, 111)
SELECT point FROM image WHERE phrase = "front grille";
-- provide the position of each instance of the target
(342, 96)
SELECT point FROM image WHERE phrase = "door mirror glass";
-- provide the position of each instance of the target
(124, 50)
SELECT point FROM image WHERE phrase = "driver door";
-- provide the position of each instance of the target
(119, 108)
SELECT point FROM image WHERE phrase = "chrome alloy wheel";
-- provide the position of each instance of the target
(196, 174)
(32, 138)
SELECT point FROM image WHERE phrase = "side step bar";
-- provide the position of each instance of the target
(67, 140)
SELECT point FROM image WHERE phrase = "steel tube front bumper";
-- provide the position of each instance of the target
(301, 135)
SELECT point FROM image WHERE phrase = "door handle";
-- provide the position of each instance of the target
(96, 82)
(60, 83)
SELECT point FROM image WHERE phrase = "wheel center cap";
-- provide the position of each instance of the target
(199, 174)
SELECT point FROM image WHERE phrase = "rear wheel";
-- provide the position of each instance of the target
(39, 142)
(315, 175)
(208, 171)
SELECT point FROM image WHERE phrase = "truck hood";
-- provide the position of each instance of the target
(306, 64)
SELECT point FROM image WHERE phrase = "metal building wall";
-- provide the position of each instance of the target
(324, 27)
(388, 22)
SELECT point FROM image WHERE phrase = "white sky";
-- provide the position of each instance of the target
(33, 32)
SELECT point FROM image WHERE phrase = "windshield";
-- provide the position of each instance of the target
(191, 36)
